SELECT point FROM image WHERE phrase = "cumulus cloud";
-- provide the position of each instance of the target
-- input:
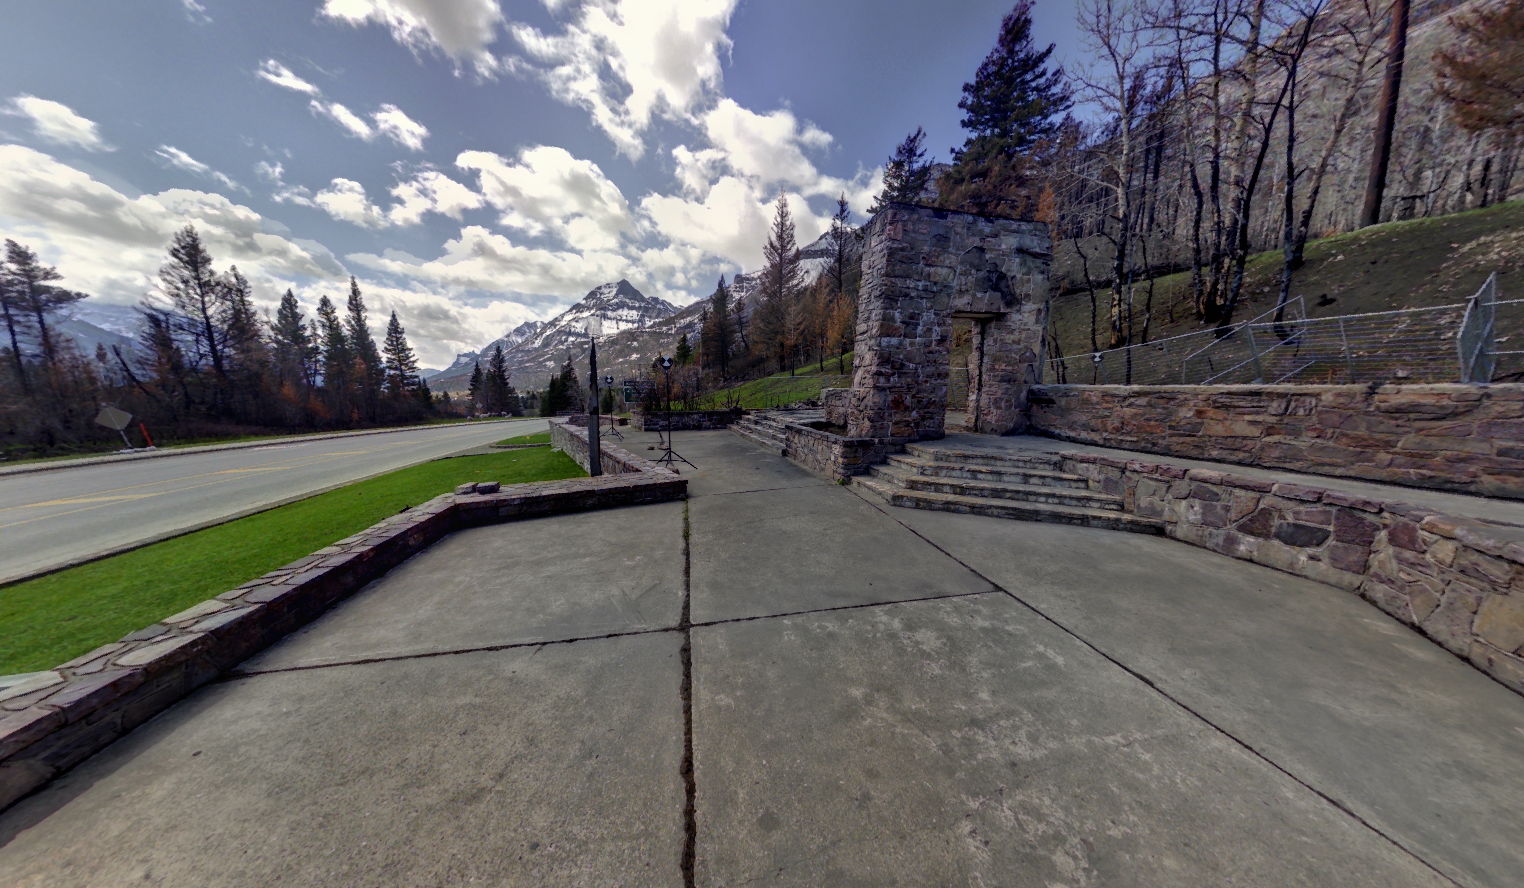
(57, 123)
(111, 245)
(546, 189)
(431, 191)
(460, 29)
(392, 123)
(180, 160)
(283, 77)
(483, 260)
(345, 199)
(627, 61)
(274, 173)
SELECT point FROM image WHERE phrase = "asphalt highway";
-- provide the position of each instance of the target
(54, 518)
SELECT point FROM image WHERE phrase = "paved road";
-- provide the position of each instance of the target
(871, 696)
(52, 518)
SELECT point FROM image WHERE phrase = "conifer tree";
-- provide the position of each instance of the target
(906, 173)
(247, 357)
(201, 306)
(718, 331)
(1014, 100)
(401, 365)
(292, 344)
(338, 359)
(782, 277)
(683, 354)
(571, 388)
(495, 382)
(369, 372)
(476, 391)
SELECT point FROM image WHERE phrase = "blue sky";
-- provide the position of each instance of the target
(475, 163)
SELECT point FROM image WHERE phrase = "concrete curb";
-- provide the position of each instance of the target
(51, 721)
(240, 445)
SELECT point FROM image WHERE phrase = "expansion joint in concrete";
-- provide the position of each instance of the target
(690, 785)
(1198, 715)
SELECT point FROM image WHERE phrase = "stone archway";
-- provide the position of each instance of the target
(921, 268)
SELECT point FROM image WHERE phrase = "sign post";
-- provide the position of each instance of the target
(112, 418)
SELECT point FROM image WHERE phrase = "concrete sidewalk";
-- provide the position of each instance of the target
(867, 696)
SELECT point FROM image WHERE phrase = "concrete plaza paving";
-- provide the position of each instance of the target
(871, 696)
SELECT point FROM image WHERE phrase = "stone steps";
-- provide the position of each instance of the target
(1005, 508)
(762, 431)
(1035, 493)
(969, 457)
(1007, 473)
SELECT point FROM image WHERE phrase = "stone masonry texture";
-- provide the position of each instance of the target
(59, 718)
(1465, 438)
(921, 268)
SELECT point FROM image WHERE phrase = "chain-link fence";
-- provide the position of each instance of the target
(1445, 343)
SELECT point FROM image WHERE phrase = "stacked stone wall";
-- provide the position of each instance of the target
(1465, 438)
(1459, 582)
(832, 456)
(685, 420)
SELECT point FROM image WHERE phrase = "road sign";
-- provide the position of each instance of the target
(114, 419)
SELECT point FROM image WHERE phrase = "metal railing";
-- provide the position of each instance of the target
(1407, 345)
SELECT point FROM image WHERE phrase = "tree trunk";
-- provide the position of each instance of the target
(1386, 115)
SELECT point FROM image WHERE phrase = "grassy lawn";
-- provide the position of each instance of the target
(780, 388)
(55, 618)
(536, 438)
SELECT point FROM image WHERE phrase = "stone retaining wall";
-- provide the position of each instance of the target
(685, 420)
(832, 456)
(1466, 438)
(571, 438)
(836, 401)
(1459, 582)
(59, 718)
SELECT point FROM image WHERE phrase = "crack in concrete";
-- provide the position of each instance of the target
(690, 785)
(1242, 744)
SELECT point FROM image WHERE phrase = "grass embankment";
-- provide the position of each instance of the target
(1419, 263)
(536, 438)
(52, 619)
(780, 389)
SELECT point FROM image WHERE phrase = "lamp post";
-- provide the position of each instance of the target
(594, 451)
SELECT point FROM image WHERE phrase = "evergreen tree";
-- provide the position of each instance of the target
(906, 174)
(1014, 100)
(495, 386)
(571, 388)
(476, 391)
(683, 354)
(782, 278)
(401, 365)
(1012, 107)
(369, 371)
(338, 360)
(247, 357)
(718, 331)
(292, 344)
(201, 305)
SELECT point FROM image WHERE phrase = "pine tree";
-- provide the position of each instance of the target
(201, 307)
(683, 354)
(401, 365)
(906, 174)
(247, 357)
(1014, 100)
(14, 309)
(782, 278)
(718, 331)
(495, 381)
(571, 388)
(477, 392)
(292, 345)
(369, 372)
(338, 359)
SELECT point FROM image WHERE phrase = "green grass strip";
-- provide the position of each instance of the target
(537, 438)
(52, 619)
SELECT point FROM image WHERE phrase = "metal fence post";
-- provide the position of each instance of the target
(1259, 371)
(1349, 364)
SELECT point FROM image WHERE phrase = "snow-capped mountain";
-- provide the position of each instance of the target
(463, 362)
(536, 350)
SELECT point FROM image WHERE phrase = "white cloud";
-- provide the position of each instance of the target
(195, 12)
(345, 118)
(431, 192)
(626, 61)
(392, 123)
(345, 199)
(57, 123)
(293, 194)
(482, 260)
(283, 77)
(461, 29)
(179, 159)
(110, 245)
(549, 190)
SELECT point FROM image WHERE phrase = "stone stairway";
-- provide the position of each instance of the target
(765, 429)
(1025, 487)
